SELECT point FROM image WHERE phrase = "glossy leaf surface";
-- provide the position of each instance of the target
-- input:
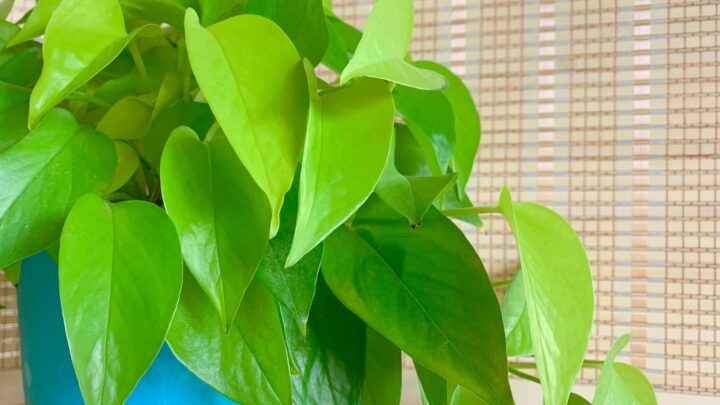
(467, 121)
(120, 277)
(42, 178)
(221, 215)
(558, 291)
(302, 20)
(294, 287)
(398, 278)
(622, 384)
(429, 115)
(518, 340)
(260, 102)
(347, 146)
(249, 363)
(127, 164)
(36, 22)
(384, 45)
(128, 119)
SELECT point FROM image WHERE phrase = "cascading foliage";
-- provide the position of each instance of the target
(287, 236)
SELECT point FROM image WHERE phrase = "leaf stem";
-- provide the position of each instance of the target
(586, 364)
(90, 99)
(459, 212)
(501, 283)
(137, 58)
(524, 375)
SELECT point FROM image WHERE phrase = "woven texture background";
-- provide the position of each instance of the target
(608, 112)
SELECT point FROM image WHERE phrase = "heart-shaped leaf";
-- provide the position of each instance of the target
(398, 278)
(348, 142)
(294, 287)
(90, 40)
(515, 319)
(622, 384)
(42, 178)
(221, 215)
(36, 22)
(248, 363)
(558, 290)
(302, 20)
(384, 46)
(120, 277)
(253, 79)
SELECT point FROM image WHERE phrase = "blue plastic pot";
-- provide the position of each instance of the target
(48, 375)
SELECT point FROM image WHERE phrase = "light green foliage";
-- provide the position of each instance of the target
(515, 318)
(36, 22)
(622, 384)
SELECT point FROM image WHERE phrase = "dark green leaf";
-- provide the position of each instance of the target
(36, 22)
(398, 278)
(430, 118)
(383, 48)
(622, 384)
(383, 371)
(221, 215)
(13, 114)
(302, 20)
(12, 272)
(249, 363)
(294, 287)
(410, 158)
(460, 199)
(23, 67)
(435, 390)
(558, 291)
(42, 178)
(120, 277)
(260, 102)
(515, 319)
(348, 142)
(343, 39)
(216, 10)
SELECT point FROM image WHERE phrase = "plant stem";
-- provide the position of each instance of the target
(137, 58)
(459, 212)
(585, 364)
(90, 99)
(501, 283)
(524, 375)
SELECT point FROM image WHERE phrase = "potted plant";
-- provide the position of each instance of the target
(193, 216)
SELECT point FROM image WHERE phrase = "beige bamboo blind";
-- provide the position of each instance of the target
(607, 111)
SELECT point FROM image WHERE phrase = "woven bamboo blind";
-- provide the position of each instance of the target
(608, 112)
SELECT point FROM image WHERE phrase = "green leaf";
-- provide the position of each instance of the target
(467, 122)
(5, 8)
(12, 272)
(23, 67)
(221, 215)
(13, 111)
(249, 363)
(343, 39)
(169, 92)
(348, 142)
(383, 371)
(435, 390)
(621, 383)
(398, 278)
(76, 47)
(7, 31)
(157, 11)
(197, 116)
(384, 45)
(558, 291)
(576, 399)
(410, 196)
(253, 79)
(128, 119)
(459, 199)
(42, 178)
(116, 311)
(410, 159)
(216, 10)
(127, 164)
(302, 20)
(36, 22)
(294, 287)
(430, 118)
(518, 340)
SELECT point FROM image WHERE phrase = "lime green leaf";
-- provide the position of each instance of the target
(216, 10)
(36, 22)
(410, 196)
(302, 20)
(116, 311)
(5, 8)
(348, 142)
(169, 92)
(515, 319)
(128, 119)
(221, 215)
(467, 122)
(398, 278)
(327, 4)
(249, 363)
(294, 287)
(343, 39)
(330, 356)
(558, 291)
(157, 11)
(42, 178)
(384, 45)
(253, 79)
(622, 384)
(429, 115)
(435, 390)
(12, 272)
(90, 40)
(127, 164)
